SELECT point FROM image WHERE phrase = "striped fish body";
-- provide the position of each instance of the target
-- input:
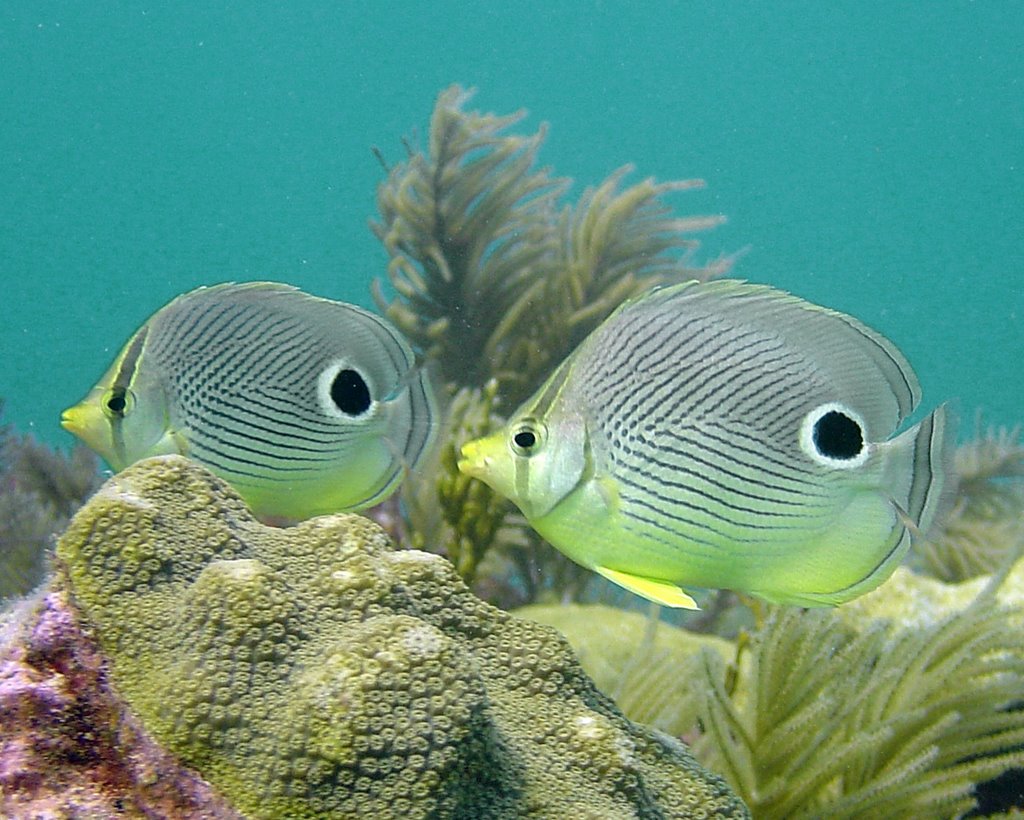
(305, 405)
(725, 435)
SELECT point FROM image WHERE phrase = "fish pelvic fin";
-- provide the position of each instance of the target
(653, 589)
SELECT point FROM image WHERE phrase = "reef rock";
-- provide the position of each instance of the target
(68, 747)
(309, 672)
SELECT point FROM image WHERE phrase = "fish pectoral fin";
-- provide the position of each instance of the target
(905, 518)
(180, 442)
(653, 589)
(608, 489)
(172, 442)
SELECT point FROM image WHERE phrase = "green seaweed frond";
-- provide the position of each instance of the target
(986, 522)
(828, 720)
(493, 277)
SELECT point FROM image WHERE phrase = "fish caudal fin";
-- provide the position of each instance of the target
(919, 472)
(653, 589)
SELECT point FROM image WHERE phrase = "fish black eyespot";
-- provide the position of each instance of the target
(350, 393)
(526, 437)
(836, 435)
(118, 402)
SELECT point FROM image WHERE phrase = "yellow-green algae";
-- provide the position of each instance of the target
(317, 672)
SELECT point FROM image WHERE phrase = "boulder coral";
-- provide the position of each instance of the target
(316, 671)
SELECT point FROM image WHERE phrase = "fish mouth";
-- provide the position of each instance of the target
(471, 461)
(74, 419)
(86, 422)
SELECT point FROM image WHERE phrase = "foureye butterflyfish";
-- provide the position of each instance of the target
(304, 405)
(725, 435)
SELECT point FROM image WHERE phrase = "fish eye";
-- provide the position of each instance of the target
(118, 402)
(350, 393)
(834, 435)
(527, 437)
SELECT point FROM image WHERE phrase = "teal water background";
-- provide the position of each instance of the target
(869, 155)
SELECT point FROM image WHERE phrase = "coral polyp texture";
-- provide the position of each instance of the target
(316, 671)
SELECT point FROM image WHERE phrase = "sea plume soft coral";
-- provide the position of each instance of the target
(40, 488)
(496, 280)
(494, 276)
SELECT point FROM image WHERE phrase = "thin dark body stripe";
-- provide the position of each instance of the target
(650, 391)
(679, 407)
(193, 327)
(648, 456)
(767, 461)
(227, 358)
(249, 431)
(671, 538)
(654, 507)
(283, 451)
(684, 493)
(297, 432)
(234, 466)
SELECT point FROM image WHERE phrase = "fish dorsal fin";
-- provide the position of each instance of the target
(653, 589)
(700, 329)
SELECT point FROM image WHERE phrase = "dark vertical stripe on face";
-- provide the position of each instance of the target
(130, 360)
(546, 398)
(123, 381)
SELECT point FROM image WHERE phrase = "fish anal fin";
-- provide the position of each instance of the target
(653, 589)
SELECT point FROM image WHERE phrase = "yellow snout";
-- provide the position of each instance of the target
(80, 420)
(473, 458)
(488, 460)
(87, 422)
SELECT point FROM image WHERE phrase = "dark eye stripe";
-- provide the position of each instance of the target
(130, 360)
